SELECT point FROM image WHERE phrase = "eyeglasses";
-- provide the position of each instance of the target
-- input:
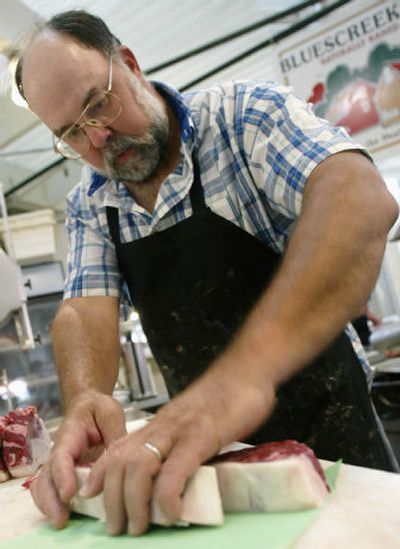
(101, 111)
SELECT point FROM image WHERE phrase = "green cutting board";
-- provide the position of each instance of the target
(240, 530)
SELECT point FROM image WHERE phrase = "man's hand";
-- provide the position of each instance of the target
(187, 432)
(86, 346)
(126, 473)
(92, 422)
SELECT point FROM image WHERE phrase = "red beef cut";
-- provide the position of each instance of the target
(26, 442)
(276, 476)
(272, 451)
(3, 469)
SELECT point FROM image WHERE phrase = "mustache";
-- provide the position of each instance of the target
(120, 144)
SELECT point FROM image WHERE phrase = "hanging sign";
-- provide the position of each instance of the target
(348, 67)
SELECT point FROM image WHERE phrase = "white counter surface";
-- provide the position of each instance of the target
(362, 513)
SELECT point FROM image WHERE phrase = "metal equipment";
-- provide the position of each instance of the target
(139, 374)
(13, 299)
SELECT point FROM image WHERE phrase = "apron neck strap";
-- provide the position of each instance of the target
(196, 192)
(196, 198)
(113, 223)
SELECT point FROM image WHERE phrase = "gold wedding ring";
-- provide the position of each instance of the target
(155, 450)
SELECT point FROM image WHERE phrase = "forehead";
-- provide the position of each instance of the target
(57, 73)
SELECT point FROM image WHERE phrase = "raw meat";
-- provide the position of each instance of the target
(201, 503)
(272, 451)
(26, 442)
(277, 476)
(91, 507)
(3, 469)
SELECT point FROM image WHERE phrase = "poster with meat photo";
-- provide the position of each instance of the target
(348, 68)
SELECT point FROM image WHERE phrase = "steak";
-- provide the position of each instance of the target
(201, 502)
(276, 476)
(26, 442)
(3, 469)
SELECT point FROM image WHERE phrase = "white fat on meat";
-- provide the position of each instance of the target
(277, 476)
(201, 501)
(288, 484)
(91, 507)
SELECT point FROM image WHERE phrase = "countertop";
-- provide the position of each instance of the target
(362, 513)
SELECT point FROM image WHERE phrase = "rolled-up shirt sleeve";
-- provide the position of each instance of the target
(92, 268)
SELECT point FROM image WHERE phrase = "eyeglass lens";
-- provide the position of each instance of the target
(101, 111)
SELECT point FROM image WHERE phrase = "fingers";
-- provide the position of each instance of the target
(125, 474)
(90, 423)
(62, 468)
(45, 496)
(95, 481)
(71, 444)
(182, 462)
(92, 420)
(113, 502)
(131, 474)
(56, 483)
(138, 491)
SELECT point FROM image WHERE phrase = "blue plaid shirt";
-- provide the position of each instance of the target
(256, 145)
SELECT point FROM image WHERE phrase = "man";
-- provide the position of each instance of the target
(228, 211)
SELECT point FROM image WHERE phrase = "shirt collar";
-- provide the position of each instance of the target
(97, 180)
(182, 112)
(178, 105)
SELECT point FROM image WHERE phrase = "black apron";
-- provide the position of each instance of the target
(193, 285)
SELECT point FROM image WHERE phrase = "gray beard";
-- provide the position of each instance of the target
(149, 152)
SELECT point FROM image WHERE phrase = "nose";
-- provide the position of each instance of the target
(98, 136)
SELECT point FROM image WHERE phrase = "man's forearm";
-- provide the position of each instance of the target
(328, 272)
(329, 269)
(86, 345)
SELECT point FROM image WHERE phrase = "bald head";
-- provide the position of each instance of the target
(58, 74)
(82, 27)
(62, 76)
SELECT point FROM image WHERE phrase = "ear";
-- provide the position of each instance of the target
(129, 59)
